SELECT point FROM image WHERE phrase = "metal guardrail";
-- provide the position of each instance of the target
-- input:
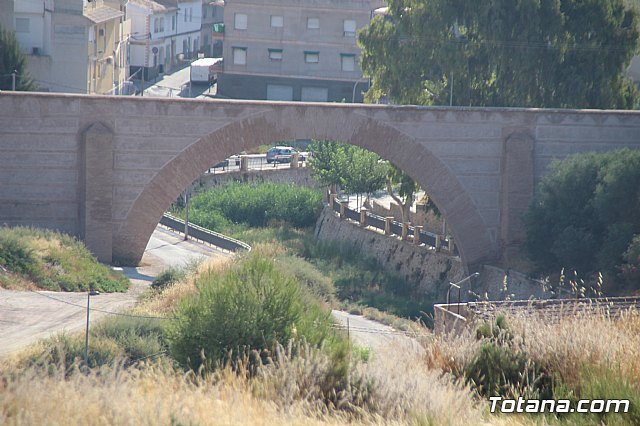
(205, 235)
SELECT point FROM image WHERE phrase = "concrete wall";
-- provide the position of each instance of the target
(478, 164)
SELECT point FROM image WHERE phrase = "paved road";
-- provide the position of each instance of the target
(27, 316)
(379, 337)
(176, 85)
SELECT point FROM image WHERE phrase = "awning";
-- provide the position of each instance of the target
(102, 14)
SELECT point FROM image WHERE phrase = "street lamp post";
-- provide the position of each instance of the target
(358, 81)
(86, 334)
(457, 285)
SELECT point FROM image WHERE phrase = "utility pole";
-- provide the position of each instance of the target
(13, 80)
(86, 334)
(186, 214)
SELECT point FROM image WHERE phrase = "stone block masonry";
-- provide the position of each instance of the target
(478, 165)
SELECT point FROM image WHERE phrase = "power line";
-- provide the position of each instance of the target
(122, 314)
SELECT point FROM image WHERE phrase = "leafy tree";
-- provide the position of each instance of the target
(328, 163)
(12, 59)
(527, 53)
(585, 213)
(365, 172)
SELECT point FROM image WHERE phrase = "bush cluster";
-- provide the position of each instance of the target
(255, 205)
(361, 279)
(55, 261)
(251, 306)
(114, 340)
(585, 213)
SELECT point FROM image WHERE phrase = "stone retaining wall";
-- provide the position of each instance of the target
(428, 270)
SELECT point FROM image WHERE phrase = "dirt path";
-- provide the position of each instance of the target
(27, 316)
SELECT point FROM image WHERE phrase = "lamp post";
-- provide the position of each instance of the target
(457, 285)
(358, 81)
(86, 334)
(186, 214)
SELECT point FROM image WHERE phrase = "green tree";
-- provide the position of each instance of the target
(585, 213)
(12, 59)
(365, 171)
(526, 53)
(329, 163)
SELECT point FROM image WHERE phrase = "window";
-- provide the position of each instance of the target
(276, 92)
(312, 57)
(156, 25)
(275, 54)
(313, 23)
(314, 94)
(22, 25)
(349, 28)
(173, 23)
(190, 14)
(240, 21)
(161, 24)
(240, 56)
(277, 21)
(204, 11)
(348, 62)
(185, 15)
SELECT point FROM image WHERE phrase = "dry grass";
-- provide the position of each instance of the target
(153, 396)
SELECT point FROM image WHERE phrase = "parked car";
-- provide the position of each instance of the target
(282, 154)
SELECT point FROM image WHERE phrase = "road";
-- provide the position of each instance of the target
(27, 316)
(381, 338)
(176, 85)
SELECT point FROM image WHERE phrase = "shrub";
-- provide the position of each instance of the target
(116, 339)
(255, 205)
(500, 368)
(167, 278)
(56, 261)
(253, 305)
(584, 213)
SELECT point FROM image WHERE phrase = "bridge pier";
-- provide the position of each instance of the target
(96, 222)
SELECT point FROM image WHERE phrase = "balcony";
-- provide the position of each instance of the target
(218, 31)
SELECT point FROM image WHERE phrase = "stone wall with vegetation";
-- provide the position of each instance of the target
(431, 271)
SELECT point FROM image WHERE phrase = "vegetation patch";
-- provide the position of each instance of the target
(584, 217)
(53, 261)
(254, 205)
(252, 305)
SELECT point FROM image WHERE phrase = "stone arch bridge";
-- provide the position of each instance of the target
(106, 168)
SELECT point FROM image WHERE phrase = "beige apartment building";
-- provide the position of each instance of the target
(75, 46)
(300, 50)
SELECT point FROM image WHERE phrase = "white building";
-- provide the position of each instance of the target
(164, 33)
(71, 45)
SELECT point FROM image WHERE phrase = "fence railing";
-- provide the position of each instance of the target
(199, 233)
(249, 162)
(391, 227)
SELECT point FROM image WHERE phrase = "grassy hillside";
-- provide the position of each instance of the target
(50, 260)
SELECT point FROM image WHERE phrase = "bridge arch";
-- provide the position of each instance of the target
(274, 124)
